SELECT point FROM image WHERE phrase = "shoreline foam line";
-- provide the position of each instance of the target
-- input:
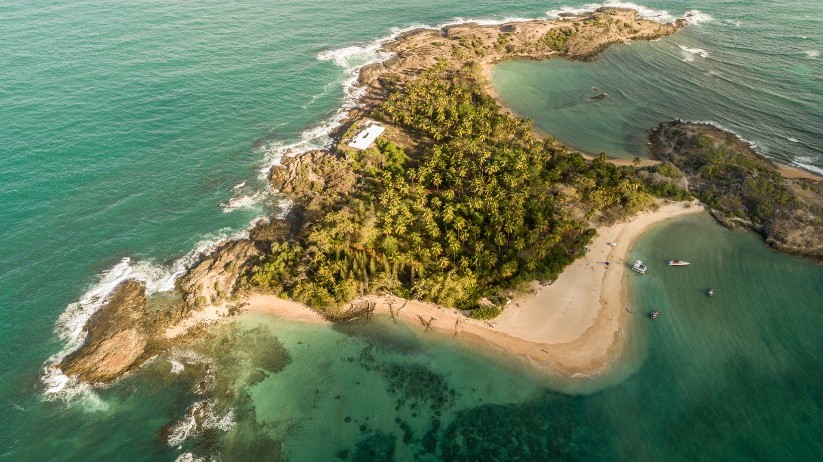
(70, 326)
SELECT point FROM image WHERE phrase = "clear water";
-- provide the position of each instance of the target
(125, 127)
(754, 69)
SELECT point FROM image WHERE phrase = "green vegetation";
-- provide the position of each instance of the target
(485, 312)
(480, 207)
(725, 174)
(557, 39)
(663, 180)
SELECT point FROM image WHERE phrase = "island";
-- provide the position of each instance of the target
(459, 217)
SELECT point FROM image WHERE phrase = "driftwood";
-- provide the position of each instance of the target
(393, 313)
(425, 323)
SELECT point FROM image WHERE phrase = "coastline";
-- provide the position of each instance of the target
(573, 327)
(594, 323)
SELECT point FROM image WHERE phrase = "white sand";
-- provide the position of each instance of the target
(573, 326)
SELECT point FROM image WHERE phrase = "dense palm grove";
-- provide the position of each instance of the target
(479, 206)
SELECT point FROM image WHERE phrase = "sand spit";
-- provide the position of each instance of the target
(573, 326)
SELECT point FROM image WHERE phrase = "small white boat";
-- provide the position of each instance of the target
(654, 314)
(711, 292)
(639, 267)
(678, 263)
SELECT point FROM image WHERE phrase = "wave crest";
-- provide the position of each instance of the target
(691, 16)
(199, 417)
(689, 53)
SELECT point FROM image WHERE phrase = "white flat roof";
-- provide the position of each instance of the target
(366, 137)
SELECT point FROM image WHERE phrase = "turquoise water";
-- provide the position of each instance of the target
(753, 69)
(126, 126)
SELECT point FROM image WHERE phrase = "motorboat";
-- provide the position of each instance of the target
(678, 263)
(654, 314)
(639, 267)
(711, 292)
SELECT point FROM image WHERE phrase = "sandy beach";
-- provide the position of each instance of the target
(571, 327)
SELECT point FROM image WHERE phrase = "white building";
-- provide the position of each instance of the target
(366, 137)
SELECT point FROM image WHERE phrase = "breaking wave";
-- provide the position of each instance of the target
(805, 163)
(689, 53)
(199, 417)
(714, 124)
(691, 16)
(71, 325)
(242, 201)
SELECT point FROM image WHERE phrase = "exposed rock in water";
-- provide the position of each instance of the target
(118, 335)
(743, 188)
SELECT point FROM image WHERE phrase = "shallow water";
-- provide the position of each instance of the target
(731, 377)
(126, 126)
(754, 73)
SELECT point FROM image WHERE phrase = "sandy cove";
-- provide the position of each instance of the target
(572, 327)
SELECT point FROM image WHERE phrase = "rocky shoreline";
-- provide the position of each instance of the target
(125, 333)
(742, 188)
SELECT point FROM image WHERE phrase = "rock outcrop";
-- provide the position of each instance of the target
(117, 339)
(214, 279)
(316, 177)
(743, 188)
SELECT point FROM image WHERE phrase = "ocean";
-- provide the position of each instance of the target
(135, 135)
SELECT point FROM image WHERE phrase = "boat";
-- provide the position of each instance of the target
(654, 314)
(639, 267)
(678, 263)
(711, 292)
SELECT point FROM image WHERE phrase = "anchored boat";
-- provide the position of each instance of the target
(711, 292)
(654, 314)
(678, 263)
(639, 267)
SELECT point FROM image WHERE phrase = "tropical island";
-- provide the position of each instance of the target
(460, 212)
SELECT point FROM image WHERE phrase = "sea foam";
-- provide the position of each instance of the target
(197, 421)
(71, 325)
(805, 163)
(691, 16)
(752, 144)
(689, 53)
(242, 201)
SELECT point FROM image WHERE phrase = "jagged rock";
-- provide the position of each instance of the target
(117, 337)
(213, 279)
(316, 178)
